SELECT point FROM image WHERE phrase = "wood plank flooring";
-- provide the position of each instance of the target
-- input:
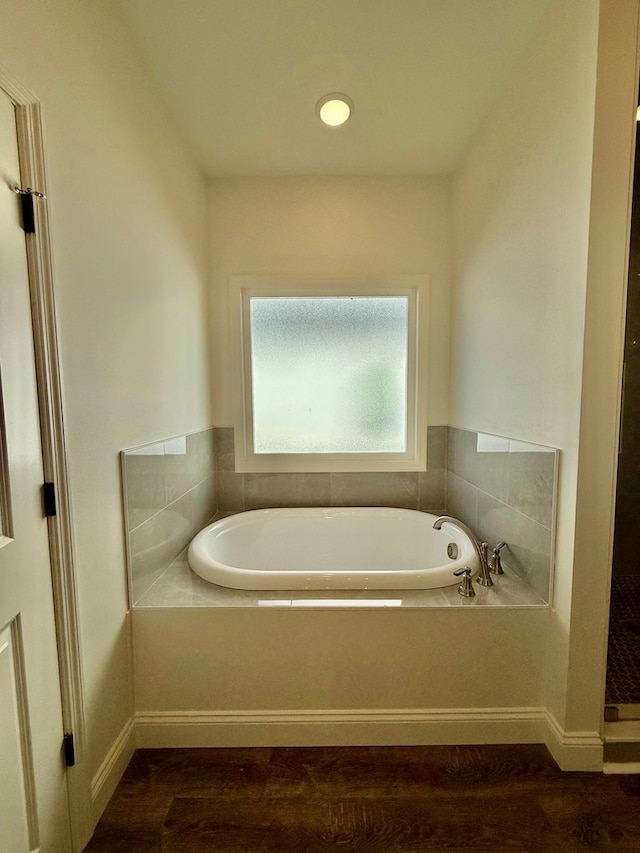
(456, 799)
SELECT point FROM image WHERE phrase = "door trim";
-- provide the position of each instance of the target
(54, 456)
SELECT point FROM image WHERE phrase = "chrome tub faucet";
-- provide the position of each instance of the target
(481, 548)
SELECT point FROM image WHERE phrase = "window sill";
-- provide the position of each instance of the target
(331, 464)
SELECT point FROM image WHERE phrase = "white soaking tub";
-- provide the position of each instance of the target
(321, 548)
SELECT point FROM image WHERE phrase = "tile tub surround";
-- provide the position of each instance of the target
(169, 495)
(505, 491)
(421, 490)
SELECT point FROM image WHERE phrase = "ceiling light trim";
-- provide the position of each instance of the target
(334, 96)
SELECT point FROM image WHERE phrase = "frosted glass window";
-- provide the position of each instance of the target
(329, 374)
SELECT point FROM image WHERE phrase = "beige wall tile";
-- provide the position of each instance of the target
(452, 443)
(225, 449)
(144, 485)
(531, 484)
(185, 470)
(462, 500)
(279, 490)
(229, 491)
(485, 464)
(376, 489)
(203, 504)
(528, 550)
(437, 445)
(433, 490)
(171, 494)
(156, 542)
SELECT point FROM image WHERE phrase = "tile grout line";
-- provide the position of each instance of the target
(162, 509)
(503, 503)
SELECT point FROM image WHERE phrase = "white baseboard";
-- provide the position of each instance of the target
(571, 750)
(574, 750)
(110, 771)
(340, 727)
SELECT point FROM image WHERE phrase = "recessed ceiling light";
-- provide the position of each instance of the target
(334, 109)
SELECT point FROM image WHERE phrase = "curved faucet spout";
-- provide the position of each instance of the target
(480, 548)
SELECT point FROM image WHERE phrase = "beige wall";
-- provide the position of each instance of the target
(127, 209)
(522, 216)
(329, 227)
(521, 208)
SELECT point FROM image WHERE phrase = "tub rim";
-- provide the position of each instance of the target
(238, 577)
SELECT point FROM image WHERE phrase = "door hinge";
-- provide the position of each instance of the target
(49, 499)
(28, 213)
(69, 750)
(27, 206)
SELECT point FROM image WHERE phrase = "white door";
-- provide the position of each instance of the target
(33, 789)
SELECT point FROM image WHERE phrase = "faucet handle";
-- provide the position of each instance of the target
(484, 578)
(495, 564)
(466, 587)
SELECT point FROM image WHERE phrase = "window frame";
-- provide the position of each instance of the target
(415, 288)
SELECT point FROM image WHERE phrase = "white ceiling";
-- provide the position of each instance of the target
(242, 77)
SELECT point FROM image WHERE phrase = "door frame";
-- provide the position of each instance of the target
(54, 455)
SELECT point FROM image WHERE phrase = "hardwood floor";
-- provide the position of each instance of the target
(456, 799)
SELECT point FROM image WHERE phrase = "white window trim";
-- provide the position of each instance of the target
(415, 287)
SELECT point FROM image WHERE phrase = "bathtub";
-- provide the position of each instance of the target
(320, 548)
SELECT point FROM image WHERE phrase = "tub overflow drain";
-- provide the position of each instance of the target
(452, 550)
